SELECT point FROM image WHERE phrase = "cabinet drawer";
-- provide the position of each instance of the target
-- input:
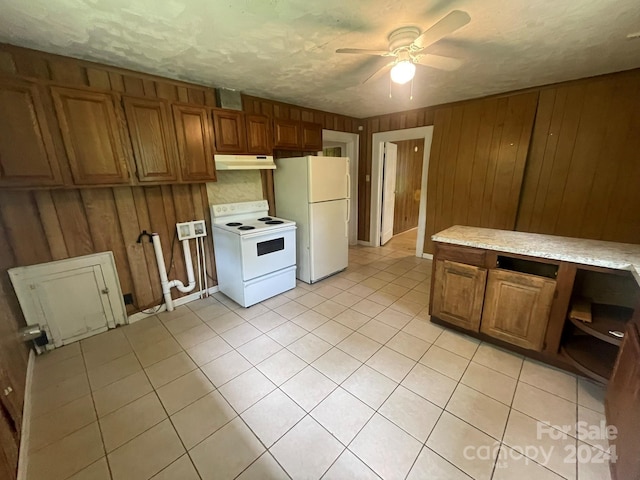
(468, 255)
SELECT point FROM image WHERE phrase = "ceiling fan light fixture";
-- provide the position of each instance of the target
(402, 72)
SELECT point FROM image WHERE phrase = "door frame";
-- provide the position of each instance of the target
(352, 140)
(378, 140)
(385, 180)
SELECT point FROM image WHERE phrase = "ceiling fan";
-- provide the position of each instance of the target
(407, 44)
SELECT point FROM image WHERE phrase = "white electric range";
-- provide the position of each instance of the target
(255, 253)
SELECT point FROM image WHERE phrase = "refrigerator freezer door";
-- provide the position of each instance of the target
(328, 178)
(329, 246)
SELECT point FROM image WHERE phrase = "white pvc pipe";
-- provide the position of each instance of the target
(190, 276)
(199, 262)
(164, 280)
(204, 267)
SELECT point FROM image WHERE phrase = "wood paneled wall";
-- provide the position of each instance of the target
(408, 185)
(396, 121)
(583, 171)
(580, 171)
(478, 155)
(286, 111)
(47, 225)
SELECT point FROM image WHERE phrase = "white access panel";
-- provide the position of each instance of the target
(71, 299)
(329, 236)
(328, 178)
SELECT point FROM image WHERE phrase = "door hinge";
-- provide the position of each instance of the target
(105, 291)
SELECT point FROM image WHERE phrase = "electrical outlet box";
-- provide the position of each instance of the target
(189, 230)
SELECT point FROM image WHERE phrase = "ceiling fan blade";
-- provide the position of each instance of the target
(363, 51)
(438, 61)
(379, 73)
(446, 25)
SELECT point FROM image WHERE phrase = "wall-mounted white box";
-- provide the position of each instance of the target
(190, 230)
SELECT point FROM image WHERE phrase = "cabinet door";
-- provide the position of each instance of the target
(287, 133)
(258, 134)
(154, 144)
(91, 135)
(621, 406)
(195, 143)
(458, 293)
(229, 131)
(516, 308)
(27, 155)
(311, 136)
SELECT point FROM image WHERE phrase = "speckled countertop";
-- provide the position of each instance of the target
(618, 256)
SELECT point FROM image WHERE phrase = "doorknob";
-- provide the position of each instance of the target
(105, 291)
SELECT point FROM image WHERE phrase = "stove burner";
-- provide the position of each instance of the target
(246, 227)
(234, 224)
(264, 219)
(274, 222)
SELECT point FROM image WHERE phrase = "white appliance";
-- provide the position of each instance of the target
(71, 299)
(255, 253)
(315, 193)
(244, 162)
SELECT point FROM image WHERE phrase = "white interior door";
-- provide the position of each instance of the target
(388, 191)
(329, 232)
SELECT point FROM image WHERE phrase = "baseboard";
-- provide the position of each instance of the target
(362, 242)
(25, 428)
(428, 256)
(136, 317)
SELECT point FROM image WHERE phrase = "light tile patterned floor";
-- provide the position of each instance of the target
(344, 379)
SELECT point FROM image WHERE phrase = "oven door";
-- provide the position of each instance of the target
(264, 253)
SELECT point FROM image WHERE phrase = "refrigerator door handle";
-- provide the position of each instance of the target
(346, 223)
(348, 182)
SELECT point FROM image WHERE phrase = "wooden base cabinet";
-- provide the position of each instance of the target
(516, 308)
(458, 293)
(621, 404)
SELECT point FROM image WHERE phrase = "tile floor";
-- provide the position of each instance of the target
(344, 379)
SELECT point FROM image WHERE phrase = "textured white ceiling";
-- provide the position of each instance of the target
(284, 49)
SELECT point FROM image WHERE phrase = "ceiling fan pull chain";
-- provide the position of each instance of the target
(411, 90)
(390, 87)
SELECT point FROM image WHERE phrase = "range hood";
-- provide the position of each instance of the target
(244, 162)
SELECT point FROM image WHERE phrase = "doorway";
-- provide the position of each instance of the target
(378, 139)
(342, 144)
(401, 193)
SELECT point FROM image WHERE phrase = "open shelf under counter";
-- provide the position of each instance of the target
(591, 356)
(606, 319)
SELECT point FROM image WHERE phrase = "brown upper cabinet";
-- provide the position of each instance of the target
(229, 131)
(287, 133)
(516, 308)
(195, 142)
(91, 134)
(311, 136)
(27, 154)
(259, 140)
(152, 138)
(297, 135)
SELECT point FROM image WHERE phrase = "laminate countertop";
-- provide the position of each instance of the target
(597, 253)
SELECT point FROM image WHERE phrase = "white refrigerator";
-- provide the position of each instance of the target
(314, 192)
